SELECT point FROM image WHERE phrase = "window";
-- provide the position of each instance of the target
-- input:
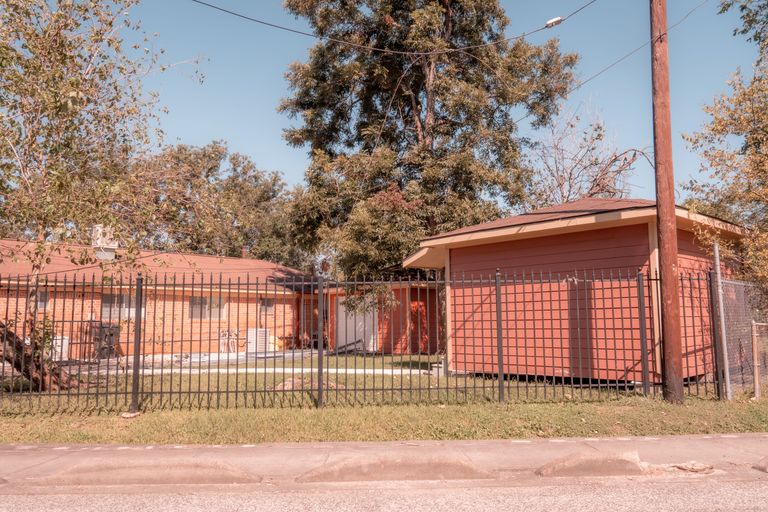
(42, 300)
(207, 308)
(267, 306)
(117, 306)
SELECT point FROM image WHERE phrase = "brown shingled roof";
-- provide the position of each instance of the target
(581, 207)
(148, 262)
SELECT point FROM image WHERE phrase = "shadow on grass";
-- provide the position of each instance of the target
(413, 365)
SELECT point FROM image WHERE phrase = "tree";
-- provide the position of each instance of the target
(258, 206)
(734, 148)
(72, 115)
(754, 17)
(417, 138)
(573, 161)
(208, 200)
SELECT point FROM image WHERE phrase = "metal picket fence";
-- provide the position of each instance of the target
(190, 341)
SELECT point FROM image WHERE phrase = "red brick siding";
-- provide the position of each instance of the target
(615, 249)
(570, 309)
(692, 257)
(167, 326)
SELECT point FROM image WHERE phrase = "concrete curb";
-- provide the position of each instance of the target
(40, 468)
(595, 464)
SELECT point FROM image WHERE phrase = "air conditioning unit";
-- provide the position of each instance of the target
(103, 242)
(60, 348)
(259, 341)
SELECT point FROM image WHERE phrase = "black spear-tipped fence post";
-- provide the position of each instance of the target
(320, 338)
(499, 336)
(137, 344)
(643, 332)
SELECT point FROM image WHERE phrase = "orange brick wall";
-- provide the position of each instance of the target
(167, 326)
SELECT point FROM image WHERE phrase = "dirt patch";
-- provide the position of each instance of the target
(290, 385)
(694, 467)
(296, 384)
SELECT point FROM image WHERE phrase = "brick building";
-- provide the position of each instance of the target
(199, 304)
(191, 303)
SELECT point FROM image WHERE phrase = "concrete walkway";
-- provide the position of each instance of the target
(482, 470)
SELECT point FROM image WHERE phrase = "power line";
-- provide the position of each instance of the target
(548, 25)
(577, 11)
(626, 55)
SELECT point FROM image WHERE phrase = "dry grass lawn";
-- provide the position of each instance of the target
(620, 417)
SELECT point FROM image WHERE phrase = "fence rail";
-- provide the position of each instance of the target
(187, 341)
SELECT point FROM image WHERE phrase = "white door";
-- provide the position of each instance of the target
(354, 329)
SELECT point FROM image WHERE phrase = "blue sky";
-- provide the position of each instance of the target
(244, 65)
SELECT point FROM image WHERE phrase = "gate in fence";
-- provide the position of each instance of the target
(186, 341)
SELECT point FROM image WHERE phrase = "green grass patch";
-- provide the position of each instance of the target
(293, 388)
(618, 417)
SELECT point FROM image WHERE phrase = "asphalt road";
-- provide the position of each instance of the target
(585, 496)
(699, 473)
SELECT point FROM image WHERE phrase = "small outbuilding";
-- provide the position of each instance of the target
(569, 290)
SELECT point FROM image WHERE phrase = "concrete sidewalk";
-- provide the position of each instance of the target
(41, 469)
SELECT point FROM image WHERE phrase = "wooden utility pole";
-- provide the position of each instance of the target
(672, 375)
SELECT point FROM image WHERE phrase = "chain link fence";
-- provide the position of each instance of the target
(745, 333)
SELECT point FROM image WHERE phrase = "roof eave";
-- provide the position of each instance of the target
(580, 223)
(531, 230)
(720, 226)
(426, 257)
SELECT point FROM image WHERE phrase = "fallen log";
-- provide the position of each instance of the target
(27, 356)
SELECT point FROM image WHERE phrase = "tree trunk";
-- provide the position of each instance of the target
(29, 355)
(31, 363)
(429, 114)
(33, 358)
(15, 352)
